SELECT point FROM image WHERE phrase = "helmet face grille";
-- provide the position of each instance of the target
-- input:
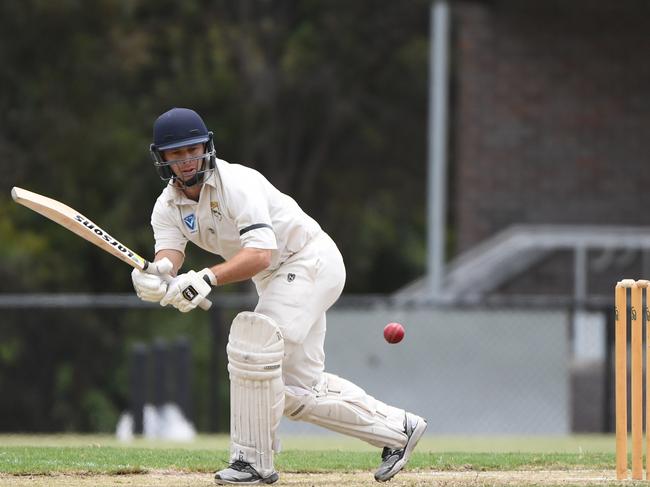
(181, 127)
(164, 170)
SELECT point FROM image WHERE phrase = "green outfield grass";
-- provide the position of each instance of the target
(432, 443)
(45, 454)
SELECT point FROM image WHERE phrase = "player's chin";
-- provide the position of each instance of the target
(185, 177)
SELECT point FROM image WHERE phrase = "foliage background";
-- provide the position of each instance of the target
(327, 99)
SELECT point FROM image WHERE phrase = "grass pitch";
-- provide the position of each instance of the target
(79, 460)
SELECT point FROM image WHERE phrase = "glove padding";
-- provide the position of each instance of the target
(186, 291)
(151, 284)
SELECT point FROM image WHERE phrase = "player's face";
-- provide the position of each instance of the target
(190, 156)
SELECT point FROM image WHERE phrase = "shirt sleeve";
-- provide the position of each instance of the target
(166, 233)
(249, 208)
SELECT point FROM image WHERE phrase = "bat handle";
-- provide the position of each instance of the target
(205, 304)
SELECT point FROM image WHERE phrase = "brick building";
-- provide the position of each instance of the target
(550, 124)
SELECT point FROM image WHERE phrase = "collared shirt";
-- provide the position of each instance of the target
(237, 208)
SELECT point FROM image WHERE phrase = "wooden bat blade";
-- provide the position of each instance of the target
(77, 223)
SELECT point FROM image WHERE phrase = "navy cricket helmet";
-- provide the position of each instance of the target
(181, 127)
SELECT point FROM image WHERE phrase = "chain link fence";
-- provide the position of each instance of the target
(500, 369)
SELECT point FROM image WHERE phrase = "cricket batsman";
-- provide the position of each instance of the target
(276, 358)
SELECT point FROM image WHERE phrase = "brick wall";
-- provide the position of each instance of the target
(551, 114)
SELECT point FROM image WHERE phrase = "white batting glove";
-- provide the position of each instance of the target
(186, 291)
(151, 285)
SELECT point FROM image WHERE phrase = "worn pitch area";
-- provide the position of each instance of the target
(404, 479)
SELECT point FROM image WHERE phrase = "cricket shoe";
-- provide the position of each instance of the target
(394, 459)
(242, 473)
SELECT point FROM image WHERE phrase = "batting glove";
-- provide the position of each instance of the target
(186, 291)
(151, 284)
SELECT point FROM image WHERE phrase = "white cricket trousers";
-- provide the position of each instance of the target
(296, 297)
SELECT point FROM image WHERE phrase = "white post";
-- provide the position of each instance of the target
(437, 146)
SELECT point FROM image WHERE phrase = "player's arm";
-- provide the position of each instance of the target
(242, 266)
(153, 283)
(187, 290)
(175, 256)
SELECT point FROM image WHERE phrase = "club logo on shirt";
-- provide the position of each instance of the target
(190, 221)
(291, 276)
(214, 206)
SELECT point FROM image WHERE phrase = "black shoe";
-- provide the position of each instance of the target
(393, 460)
(243, 473)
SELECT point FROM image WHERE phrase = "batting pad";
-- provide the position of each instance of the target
(255, 351)
(341, 406)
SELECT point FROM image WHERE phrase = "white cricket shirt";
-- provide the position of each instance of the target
(237, 208)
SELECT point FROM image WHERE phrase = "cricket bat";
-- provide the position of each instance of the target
(82, 226)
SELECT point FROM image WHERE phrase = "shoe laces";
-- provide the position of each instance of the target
(240, 465)
(386, 453)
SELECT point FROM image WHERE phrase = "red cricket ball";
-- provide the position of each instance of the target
(393, 332)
